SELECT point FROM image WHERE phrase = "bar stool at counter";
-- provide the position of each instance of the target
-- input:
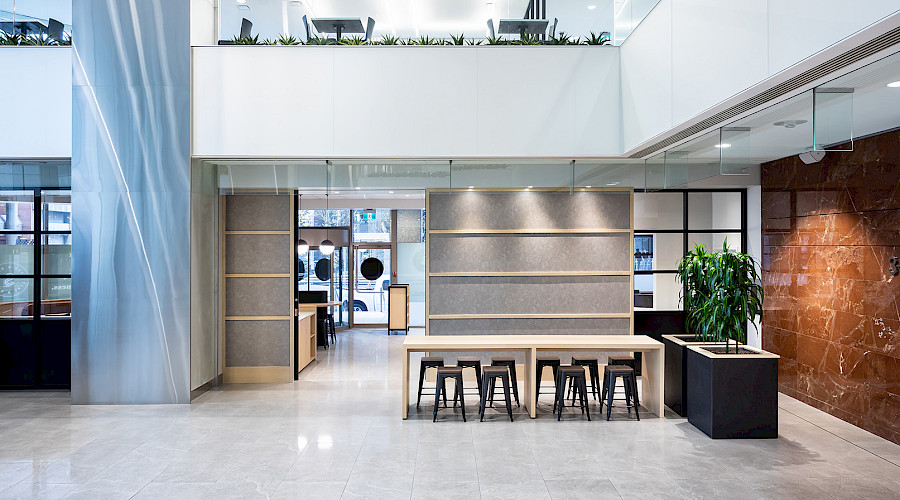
(594, 367)
(443, 373)
(491, 374)
(576, 375)
(610, 373)
(553, 363)
(623, 359)
(428, 362)
(510, 363)
(471, 362)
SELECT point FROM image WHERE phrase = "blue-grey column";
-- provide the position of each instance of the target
(131, 201)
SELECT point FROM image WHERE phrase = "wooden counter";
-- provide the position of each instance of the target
(305, 340)
(652, 378)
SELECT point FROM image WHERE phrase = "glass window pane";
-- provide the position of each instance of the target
(659, 292)
(17, 210)
(715, 241)
(658, 211)
(57, 254)
(324, 218)
(659, 251)
(56, 210)
(713, 210)
(16, 254)
(56, 297)
(16, 296)
(370, 296)
(372, 226)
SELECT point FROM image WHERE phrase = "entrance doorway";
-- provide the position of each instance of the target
(372, 277)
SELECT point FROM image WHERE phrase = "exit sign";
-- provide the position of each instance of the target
(368, 214)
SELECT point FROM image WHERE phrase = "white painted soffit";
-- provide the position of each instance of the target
(864, 47)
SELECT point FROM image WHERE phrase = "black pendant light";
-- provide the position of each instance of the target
(327, 246)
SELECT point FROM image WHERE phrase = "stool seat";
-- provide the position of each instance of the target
(443, 373)
(616, 359)
(629, 382)
(594, 367)
(547, 358)
(543, 361)
(491, 374)
(510, 363)
(427, 362)
(574, 374)
(467, 359)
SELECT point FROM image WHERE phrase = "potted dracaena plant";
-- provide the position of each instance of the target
(731, 392)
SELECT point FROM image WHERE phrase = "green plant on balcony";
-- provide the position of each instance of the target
(353, 40)
(425, 40)
(459, 39)
(473, 42)
(388, 40)
(246, 40)
(722, 291)
(561, 39)
(317, 40)
(601, 39)
(10, 38)
(38, 39)
(529, 40)
(496, 40)
(285, 39)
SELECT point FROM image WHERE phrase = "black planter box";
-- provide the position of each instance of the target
(732, 395)
(676, 370)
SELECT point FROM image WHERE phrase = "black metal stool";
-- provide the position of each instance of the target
(491, 374)
(443, 373)
(594, 367)
(329, 321)
(471, 362)
(610, 373)
(615, 359)
(576, 375)
(510, 363)
(428, 362)
(553, 363)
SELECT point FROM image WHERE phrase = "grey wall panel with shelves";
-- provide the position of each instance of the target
(257, 254)
(530, 294)
(258, 212)
(258, 343)
(529, 210)
(536, 253)
(569, 236)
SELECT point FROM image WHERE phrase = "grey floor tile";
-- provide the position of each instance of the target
(581, 487)
(319, 490)
(28, 490)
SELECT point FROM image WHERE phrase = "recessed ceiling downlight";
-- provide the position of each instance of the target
(894, 84)
(723, 145)
(592, 7)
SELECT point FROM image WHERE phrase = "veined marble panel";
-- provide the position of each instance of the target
(131, 202)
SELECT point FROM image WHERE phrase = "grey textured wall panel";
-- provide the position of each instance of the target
(131, 202)
(257, 254)
(258, 212)
(535, 253)
(258, 297)
(530, 294)
(258, 343)
(529, 210)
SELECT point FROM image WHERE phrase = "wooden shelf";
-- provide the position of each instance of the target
(531, 231)
(529, 274)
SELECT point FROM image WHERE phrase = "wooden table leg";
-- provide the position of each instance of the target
(405, 390)
(530, 373)
(652, 381)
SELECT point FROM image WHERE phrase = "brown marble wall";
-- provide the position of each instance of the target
(831, 306)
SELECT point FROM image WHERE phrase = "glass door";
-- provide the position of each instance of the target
(372, 277)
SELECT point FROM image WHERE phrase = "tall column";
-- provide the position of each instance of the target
(131, 201)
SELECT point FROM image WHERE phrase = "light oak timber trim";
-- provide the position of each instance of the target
(530, 274)
(533, 316)
(286, 233)
(258, 275)
(533, 231)
(258, 318)
(258, 374)
(564, 189)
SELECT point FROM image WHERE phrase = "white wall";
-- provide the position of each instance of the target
(37, 102)
(405, 101)
(689, 55)
(203, 22)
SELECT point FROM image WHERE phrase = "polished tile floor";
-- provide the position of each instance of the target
(337, 433)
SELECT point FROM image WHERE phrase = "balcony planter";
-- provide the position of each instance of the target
(732, 395)
(676, 369)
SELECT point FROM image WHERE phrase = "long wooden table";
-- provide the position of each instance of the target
(652, 369)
